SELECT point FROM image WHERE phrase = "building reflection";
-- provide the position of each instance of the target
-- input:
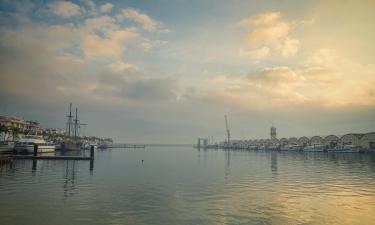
(274, 162)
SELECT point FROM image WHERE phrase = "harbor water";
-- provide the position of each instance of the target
(182, 185)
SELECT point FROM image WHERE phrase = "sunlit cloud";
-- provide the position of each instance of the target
(65, 9)
(135, 15)
(272, 32)
(105, 8)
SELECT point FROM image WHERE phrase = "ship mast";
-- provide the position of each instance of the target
(76, 124)
(69, 118)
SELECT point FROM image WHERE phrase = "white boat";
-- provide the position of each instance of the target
(314, 148)
(347, 148)
(27, 143)
(6, 146)
(291, 147)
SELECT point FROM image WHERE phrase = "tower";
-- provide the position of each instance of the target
(273, 132)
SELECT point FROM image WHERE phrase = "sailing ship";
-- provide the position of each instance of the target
(72, 142)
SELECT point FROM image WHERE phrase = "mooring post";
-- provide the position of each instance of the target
(35, 150)
(92, 152)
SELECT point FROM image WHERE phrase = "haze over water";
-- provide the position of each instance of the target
(181, 185)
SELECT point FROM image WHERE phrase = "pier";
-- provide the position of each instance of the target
(60, 157)
(4, 159)
(52, 157)
(123, 146)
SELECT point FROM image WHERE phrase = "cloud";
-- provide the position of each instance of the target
(289, 47)
(325, 80)
(262, 19)
(256, 54)
(270, 31)
(65, 9)
(64, 57)
(105, 8)
(125, 82)
(103, 37)
(136, 16)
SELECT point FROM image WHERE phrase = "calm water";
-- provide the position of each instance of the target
(180, 185)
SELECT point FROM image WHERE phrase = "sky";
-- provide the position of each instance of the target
(168, 71)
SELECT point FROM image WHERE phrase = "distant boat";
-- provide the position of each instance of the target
(6, 146)
(291, 147)
(314, 148)
(27, 143)
(345, 148)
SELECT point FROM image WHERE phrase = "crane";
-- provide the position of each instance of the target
(226, 126)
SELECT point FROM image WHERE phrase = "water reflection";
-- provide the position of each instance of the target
(274, 162)
(69, 177)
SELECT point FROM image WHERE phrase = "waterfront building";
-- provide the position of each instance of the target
(367, 141)
(53, 131)
(331, 141)
(316, 140)
(283, 141)
(350, 139)
(12, 122)
(303, 141)
(293, 140)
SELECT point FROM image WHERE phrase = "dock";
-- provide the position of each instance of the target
(56, 157)
(123, 146)
(6, 159)
(52, 157)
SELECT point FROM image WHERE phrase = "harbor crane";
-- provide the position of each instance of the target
(226, 126)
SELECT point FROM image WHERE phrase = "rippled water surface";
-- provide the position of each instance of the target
(181, 185)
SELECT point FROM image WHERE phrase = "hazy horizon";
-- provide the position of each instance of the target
(167, 71)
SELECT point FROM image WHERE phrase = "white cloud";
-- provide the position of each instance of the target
(256, 54)
(65, 9)
(144, 20)
(289, 47)
(122, 67)
(103, 37)
(105, 8)
(262, 19)
(270, 31)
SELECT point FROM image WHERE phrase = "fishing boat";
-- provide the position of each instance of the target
(345, 148)
(27, 143)
(6, 146)
(314, 148)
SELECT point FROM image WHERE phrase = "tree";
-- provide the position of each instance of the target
(4, 129)
(15, 131)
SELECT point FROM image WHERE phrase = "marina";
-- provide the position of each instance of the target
(187, 112)
(348, 143)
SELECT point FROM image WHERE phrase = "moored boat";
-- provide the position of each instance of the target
(6, 146)
(314, 148)
(27, 143)
(291, 147)
(72, 142)
(346, 148)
